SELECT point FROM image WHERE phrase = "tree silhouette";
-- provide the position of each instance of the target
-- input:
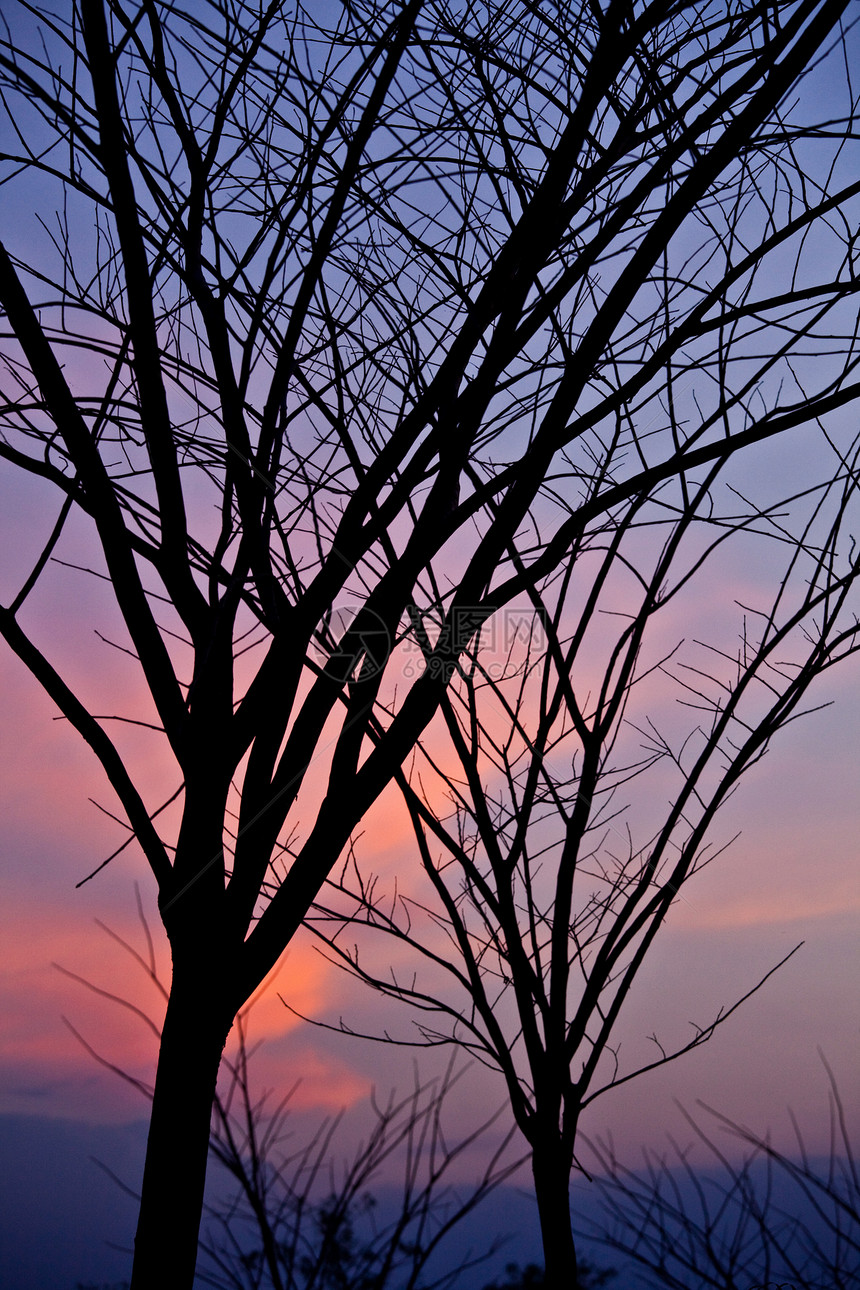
(300, 1213)
(531, 1277)
(278, 1229)
(341, 332)
(771, 1219)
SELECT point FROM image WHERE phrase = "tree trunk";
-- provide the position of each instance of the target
(551, 1172)
(192, 1041)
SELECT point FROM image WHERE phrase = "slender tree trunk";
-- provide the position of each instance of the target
(551, 1171)
(192, 1041)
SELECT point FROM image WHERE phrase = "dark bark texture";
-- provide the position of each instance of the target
(192, 1042)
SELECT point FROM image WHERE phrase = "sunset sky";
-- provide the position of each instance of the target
(789, 876)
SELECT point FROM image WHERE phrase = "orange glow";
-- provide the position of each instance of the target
(779, 872)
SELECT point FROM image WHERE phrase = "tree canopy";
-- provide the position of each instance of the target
(348, 330)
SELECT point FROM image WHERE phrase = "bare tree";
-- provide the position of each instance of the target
(347, 328)
(281, 1230)
(301, 1214)
(770, 1219)
(548, 880)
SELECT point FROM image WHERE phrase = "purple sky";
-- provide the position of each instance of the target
(791, 876)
